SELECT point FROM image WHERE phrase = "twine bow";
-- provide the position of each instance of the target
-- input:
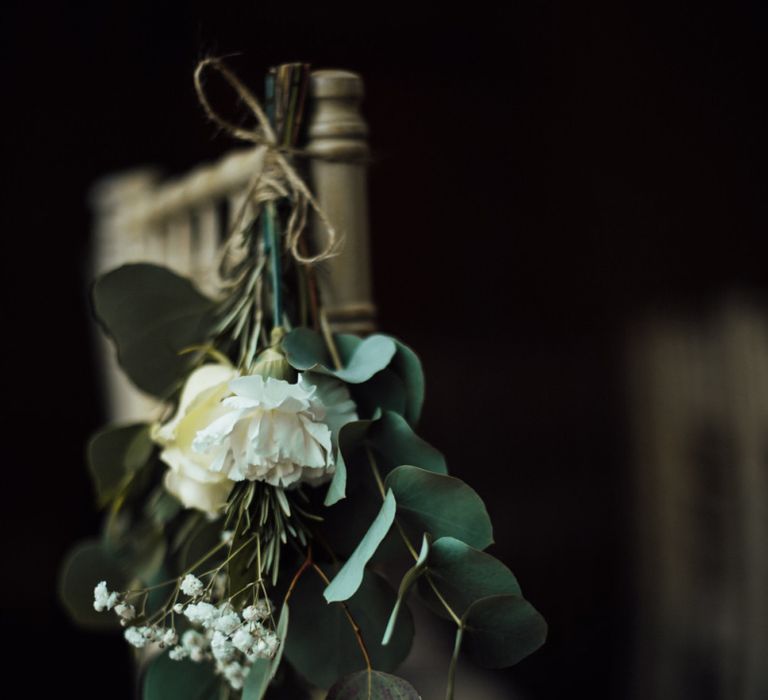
(277, 178)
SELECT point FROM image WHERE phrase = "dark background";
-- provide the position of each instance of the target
(544, 174)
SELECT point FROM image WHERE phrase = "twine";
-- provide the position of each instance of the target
(277, 179)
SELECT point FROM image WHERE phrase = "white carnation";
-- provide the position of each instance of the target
(274, 431)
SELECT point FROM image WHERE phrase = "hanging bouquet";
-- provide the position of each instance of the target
(244, 530)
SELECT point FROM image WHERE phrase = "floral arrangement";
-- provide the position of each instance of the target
(245, 529)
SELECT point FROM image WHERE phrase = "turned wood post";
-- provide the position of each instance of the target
(337, 136)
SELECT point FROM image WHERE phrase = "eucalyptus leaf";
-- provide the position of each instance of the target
(115, 454)
(385, 391)
(440, 505)
(305, 350)
(463, 575)
(166, 679)
(407, 365)
(139, 545)
(153, 315)
(350, 576)
(409, 578)
(394, 443)
(84, 566)
(351, 436)
(263, 670)
(372, 686)
(322, 646)
(501, 630)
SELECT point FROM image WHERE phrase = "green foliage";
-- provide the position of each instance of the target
(350, 576)
(372, 686)
(501, 630)
(263, 670)
(407, 366)
(384, 373)
(394, 443)
(152, 315)
(410, 577)
(139, 545)
(390, 441)
(84, 566)
(463, 575)
(166, 679)
(351, 436)
(440, 505)
(322, 646)
(306, 350)
(115, 454)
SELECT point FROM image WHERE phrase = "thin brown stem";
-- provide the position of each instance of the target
(355, 627)
(305, 565)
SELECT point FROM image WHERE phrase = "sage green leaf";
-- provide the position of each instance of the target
(152, 314)
(372, 686)
(407, 365)
(115, 454)
(351, 436)
(410, 577)
(349, 578)
(322, 646)
(162, 507)
(84, 566)
(502, 630)
(394, 443)
(139, 545)
(166, 679)
(305, 350)
(385, 391)
(463, 575)
(441, 505)
(263, 670)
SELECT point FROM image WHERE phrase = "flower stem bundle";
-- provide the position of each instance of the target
(245, 530)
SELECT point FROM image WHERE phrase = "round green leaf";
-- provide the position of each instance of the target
(372, 686)
(384, 391)
(350, 576)
(152, 314)
(440, 505)
(407, 365)
(167, 679)
(305, 350)
(394, 443)
(502, 629)
(84, 566)
(322, 646)
(463, 575)
(114, 455)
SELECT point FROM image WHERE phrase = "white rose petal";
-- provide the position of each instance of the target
(190, 477)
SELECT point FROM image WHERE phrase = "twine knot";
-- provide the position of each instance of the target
(277, 178)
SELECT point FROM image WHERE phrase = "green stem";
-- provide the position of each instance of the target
(272, 243)
(454, 662)
(406, 539)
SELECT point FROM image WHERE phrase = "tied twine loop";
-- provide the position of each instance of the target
(277, 178)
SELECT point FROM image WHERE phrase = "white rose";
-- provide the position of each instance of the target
(274, 431)
(190, 477)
